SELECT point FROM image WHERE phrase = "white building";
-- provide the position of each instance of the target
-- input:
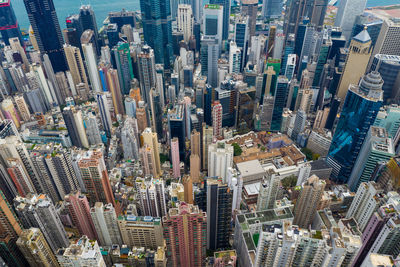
(347, 13)
(220, 158)
(213, 21)
(91, 65)
(106, 224)
(235, 57)
(185, 21)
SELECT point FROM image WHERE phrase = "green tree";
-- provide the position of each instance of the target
(289, 181)
(237, 150)
(307, 152)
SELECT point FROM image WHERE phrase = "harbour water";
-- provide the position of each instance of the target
(101, 8)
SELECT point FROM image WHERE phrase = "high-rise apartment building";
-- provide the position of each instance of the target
(95, 176)
(76, 65)
(208, 133)
(39, 211)
(185, 229)
(217, 119)
(79, 211)
(35, 248)
(123, 61)
(105, 222)
(175, 158)
(147, 71)
(220, 158)
(141, 231)
(151, 196)
(151, 140)
(358, 114)
(46, 28)
(268, 191)
(74, 124)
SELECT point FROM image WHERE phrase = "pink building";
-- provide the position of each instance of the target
(217, 119)
(175, 157)
(79, 211)
(190, 224)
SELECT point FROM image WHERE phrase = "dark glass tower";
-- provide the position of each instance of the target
(358, 114)
(43, 18)
(157, 29)
(281, 96)
(227, 11)
(88, 22)
(9, 27)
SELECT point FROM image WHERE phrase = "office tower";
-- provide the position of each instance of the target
(235, 58)
(366, 201)
(188, 189)
(388, 67)
(220, 158)
(79, 211)
(249, 8)
(156, 112)
(35, 249)
(268, 191)
(177, 127)
(74, 124)
(123, 62)
(105, 222)
(356, 62)
(190, 247)
(214, 22)
(130, 107)
(306, 205)
(147, 71)
(157, 29)
(358, 114)
(129, 139)
(39, 211)
(387, 42)
(105, 114)
(10, 229)
(112, 34)
(207, 140)
(347, 13)
(280, 97)
(209, 54)
(185, 21)
(217, 119)
(272, 8)
(121, 18)
(225, 7)
(9, 27)
(76, 65)
(376, 147)
(290, 66)
(141, 231)
(304, 100)
(43, 18)
(84, 252)
(219, 212)
(9, 112)
(297, 10)
(91, 65)
(95, 176)
(299, 124)
(116, 91)
(87, 21)
(318, 13)
(242, 36)
(72, 37)
(373, 25)
(151, 196)
(175, 157)
(151, 140)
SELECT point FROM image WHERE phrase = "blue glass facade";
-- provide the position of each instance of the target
(358, 114)
(281, 96)
(157, 29)
(43, 18)
(227, 10)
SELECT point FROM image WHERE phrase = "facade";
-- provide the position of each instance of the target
(347, 13)
(35, 249)
(219, 211)
(9, 24)
(147, 71)
(185, 21)
(123, 61)
(250, 8)
(220, 158)
(268, 192)
(151, 196)
(190, 225)
(358, 114)
(217, 119)
(43, 18)
(151, 140)
(214, 22)
(387, 40)
(175, 157)
(105, 222)
(141, 231)
(306, 205)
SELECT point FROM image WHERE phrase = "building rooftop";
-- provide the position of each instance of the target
(250, 168)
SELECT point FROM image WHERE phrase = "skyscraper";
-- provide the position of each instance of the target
(347, 13)
(280, 96)
(185, 21)
(157, 29)
(91, 65)
(306, 205)
(76, 65)
(387, 42)
(268, 191)
(147, 71)
(175, 157)
(250, 8)
(219, 212)
(191, 225)
(272, 8)
(84, 252)
(213, 22)
(105, 222)
(35, 248)
(209, 54)
(43, 18)
(217, 119)
(356, 62)
(74, 124)
(151, 196)
(87, 20)
(39, 211)
(358, 114)
(220, 158)
(225, 5)
(177, 127)
(151, 140)
(95, 176)
(105, 114)
(9, 27)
